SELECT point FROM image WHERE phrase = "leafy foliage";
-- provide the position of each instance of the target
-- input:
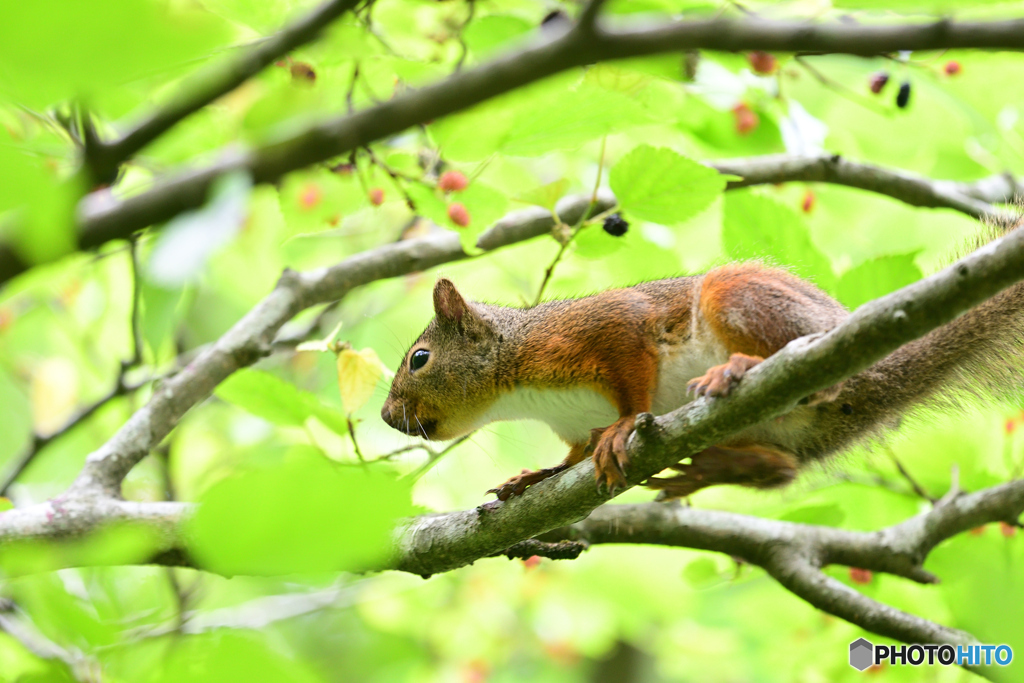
(285, 502)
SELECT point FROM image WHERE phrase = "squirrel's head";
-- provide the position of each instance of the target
(447, 379)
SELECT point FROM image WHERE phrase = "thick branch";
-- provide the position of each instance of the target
(975, 199)
(102, 219)
(791, 553)
(433, 544)
(103, 158)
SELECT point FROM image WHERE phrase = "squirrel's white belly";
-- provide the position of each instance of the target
(571, 413)
(677, 366)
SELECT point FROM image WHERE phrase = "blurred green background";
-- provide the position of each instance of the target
(279, 485)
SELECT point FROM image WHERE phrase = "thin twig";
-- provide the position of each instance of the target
(103, 218)
(352, 437)
(208, 85)
(462, 37)
(136, 316)
(841, 89)
(435, 456)
(350, 93)
(396, 178)
(564, 244)
(918, 489)
(121, 386)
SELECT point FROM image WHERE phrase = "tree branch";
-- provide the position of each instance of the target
(121, 385)
(253, 336)
(40, 441)
(103, 158)
(102, 218)
(792, 553)
(437, 543)
(15, 623)
(431, 544)
(974, 199)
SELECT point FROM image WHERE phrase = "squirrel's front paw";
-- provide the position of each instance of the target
(719, 380)
(517, 484)
(610, 457)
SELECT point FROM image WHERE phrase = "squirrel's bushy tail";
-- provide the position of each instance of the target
(977, 356)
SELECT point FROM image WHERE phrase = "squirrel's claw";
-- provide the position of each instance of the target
(610, 457)
(720, 379)
(516, 485)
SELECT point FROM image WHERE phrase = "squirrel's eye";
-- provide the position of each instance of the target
(418, 359)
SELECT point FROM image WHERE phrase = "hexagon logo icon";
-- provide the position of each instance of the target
(861, 654)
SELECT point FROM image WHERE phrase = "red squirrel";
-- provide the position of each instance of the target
(588, 366)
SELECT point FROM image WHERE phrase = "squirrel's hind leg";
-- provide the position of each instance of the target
(751, 465)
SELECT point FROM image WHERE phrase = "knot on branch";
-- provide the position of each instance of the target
(558, 550)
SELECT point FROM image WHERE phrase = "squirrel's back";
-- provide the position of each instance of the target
(976, 356)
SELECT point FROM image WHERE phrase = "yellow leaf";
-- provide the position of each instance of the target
(53, 393)
(358, 374)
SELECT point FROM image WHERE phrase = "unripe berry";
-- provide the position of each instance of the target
(762, 62)
(861, 576)
(452, 181)
(746, 119)
(458, 214)
(878, 81)
(808, 202)
(310, 196)
(376, 196)
(531, 562)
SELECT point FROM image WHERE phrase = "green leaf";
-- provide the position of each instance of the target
(756, 227)
(546, 195)
(702, 573)
(315, 200)
(592, 243)
(428, 204)
(559, 113)
(876, 278)
(489, 32)
(485, 205)
(42, 227)
(159, 306)
(55, 50)
(278, 402)
(229, 656)
(567, 119)
(305, 515)
(661, 186)
(121, 543)
(826, 514)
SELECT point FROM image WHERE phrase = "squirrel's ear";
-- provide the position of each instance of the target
(449, 306)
